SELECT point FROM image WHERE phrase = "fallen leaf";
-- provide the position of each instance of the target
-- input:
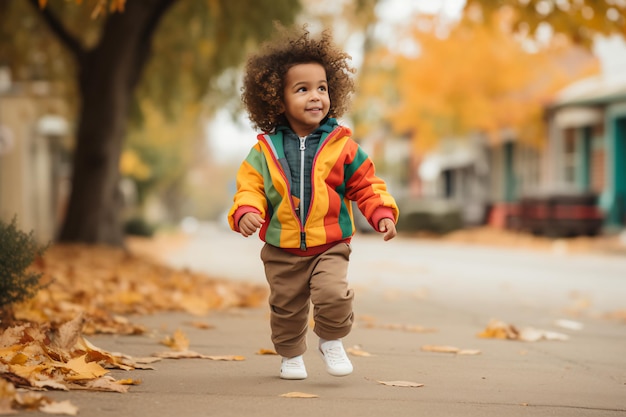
(469, 352)
(408, 384)
(225, 358)
(61, 407)
(188, 354)
(107, 283)
(84, 370)
(296, 394)
(449, 349)
(529, 334)
(106, 384)
(266, 352)
(201, 325)
(499, 330)
(178, 341)
(68, 333)
(50, 384)
(440, 349)
(129, 381)
(357, 351)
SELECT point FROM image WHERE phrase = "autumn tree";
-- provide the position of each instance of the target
(478, 78)
(579, 20)
(488, 72)
(164, 47)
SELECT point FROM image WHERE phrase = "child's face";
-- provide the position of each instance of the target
(305, 98)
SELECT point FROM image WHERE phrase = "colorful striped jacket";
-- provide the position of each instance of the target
(342, 172)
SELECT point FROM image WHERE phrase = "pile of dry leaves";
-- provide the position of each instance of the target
(107, 283)
(92, 289)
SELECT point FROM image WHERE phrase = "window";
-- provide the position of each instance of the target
(569, 156)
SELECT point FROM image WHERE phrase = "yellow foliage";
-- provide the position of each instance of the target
(477, 79)
(131, 165)
(81, 369)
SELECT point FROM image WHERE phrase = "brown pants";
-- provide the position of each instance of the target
(295, 282)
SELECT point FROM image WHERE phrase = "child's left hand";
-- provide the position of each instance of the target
(388, 227)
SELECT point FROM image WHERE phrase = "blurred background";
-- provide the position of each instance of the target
(123, 117)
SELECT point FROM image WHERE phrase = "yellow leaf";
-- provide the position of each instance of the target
(188, 354)
(408, 384)
(296, 394)
(19, 359)
(84, 370)
(225, 358)
(497, 329)
(357, 351)
(26, 371)
(266, 352)
(178, 341)
(202, 325)
(440, 349)
(129, 381)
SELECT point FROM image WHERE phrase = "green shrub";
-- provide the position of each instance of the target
(18, 251)
(138, 226)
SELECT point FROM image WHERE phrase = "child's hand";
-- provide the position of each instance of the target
(388, 227)
(250, 223)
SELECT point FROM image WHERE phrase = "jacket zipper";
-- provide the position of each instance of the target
(302, 233)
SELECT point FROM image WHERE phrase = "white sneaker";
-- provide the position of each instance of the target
(293, 368)
(337, 362)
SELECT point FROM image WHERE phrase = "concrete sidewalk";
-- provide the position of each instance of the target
(584, 376)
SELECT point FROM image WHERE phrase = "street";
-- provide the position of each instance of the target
(478, 279)
(419, 307)
(450, 292)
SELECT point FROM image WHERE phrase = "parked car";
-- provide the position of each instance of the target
(561, 215)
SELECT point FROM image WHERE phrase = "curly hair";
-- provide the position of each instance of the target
(263, 83)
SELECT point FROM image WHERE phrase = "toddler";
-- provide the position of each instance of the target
(296, 187)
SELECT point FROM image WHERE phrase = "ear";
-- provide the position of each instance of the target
(282, 106)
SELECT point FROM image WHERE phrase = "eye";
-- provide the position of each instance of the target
(301, 90)
(322, 88)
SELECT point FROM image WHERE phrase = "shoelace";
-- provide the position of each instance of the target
(293, 364)
(336, 355)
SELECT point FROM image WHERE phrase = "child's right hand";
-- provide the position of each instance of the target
(250, 223)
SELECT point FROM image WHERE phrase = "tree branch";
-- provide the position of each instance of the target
(159, 10)
(55, 25)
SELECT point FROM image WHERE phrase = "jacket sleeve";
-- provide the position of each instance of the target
(250, 194)
(368, 190)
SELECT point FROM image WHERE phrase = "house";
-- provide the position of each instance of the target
(586, 150)
(33, 156)
(587, 143)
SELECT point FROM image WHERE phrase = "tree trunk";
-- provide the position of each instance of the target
(108, 76)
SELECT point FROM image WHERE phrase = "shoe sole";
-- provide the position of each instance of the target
(293, 377)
